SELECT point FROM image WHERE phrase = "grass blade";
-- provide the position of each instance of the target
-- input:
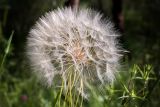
(6, 52)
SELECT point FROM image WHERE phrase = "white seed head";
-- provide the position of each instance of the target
(66, 42)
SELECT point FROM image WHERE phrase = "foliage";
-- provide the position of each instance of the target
(127, 91)
(138, 86)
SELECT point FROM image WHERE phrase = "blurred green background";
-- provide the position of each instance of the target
(140, 36)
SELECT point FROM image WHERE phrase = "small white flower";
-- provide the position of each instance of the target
(77, 45)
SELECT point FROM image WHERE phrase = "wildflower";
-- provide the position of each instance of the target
(77, 47)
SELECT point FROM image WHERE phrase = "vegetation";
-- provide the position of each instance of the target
(136, 86)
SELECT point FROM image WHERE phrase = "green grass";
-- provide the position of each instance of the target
(138, 86)
(130, 89)
(6, 53)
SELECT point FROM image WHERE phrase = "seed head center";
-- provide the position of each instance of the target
(79, 54)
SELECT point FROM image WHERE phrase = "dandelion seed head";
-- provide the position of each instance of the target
(80, 41)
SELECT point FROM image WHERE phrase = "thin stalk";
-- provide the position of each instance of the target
(6, 53)
(60, 95)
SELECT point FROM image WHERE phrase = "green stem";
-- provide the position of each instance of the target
(6, 53)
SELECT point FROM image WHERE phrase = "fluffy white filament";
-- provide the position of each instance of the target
(66, 42)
